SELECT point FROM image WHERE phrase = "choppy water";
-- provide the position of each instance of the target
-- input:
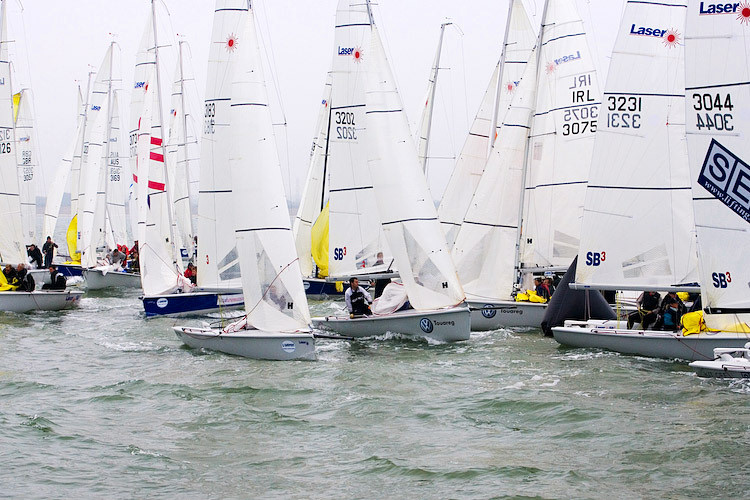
(98, 402)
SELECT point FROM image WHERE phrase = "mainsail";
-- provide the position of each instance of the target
(637, 226)
(404, 203)
(271, 280)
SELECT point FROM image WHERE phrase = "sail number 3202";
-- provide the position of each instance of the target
(345, 126)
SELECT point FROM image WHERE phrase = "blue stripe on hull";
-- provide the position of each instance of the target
(321, 287)
(190, 303)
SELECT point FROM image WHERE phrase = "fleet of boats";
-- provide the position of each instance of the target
(645, 184)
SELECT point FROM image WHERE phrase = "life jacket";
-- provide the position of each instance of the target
(359, 303)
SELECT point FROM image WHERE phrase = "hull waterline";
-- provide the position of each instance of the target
(254, 344)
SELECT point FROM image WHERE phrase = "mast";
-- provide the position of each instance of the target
(431, 97)
(499, 85)
(519, 230)
(161, 127)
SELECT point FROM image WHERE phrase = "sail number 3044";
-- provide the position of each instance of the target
(711, 111)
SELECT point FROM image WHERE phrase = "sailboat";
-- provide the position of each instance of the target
(537, 165)
(12, 248)
(101, 218)
(409, 220)
(665, 256)
(166, 290)
(728, 363)
(518, 41)
(276, 324)
(354, 244)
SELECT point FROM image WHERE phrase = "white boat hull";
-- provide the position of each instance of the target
(650, 343)
(721, 369)
(444, 325)
(492, 315)
(255, 344)
(43, 300)
(97, 280)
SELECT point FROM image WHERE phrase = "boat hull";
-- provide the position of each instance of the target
(254, 344)
(97, 280)
(505, 314)
(721, 369)
(70, 270)
(650, 343)
(444, 325)
(320, 289)
(46, 300)
(193, 303)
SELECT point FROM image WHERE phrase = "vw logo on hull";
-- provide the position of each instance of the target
(426, 325)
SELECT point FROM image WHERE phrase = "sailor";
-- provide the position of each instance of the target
(9, 273)
(357, 299)
(550, 286)
(191, 273)
(118, 257)
(35, 255)
(56, 280)
(648, 308)
(48, 249)
(541, 289)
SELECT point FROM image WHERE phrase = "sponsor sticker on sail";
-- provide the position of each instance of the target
(727, 178)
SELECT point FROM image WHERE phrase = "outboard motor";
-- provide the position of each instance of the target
(574, 304)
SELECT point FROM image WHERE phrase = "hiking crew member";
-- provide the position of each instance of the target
(357, 299)
(48, 249)
(648, 310)
(56, 280)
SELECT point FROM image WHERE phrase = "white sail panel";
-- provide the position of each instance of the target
(487, 243)
(717, 103)
(92, 197)
(271, 281)
(425, 121)
(218, 263)
(407, 213)
(521, 38)
(182, 152)
(28, 164)
(312, 201)
(11, 237)
(562, 138)
(637, 223)
(115, 178)
(355, 237)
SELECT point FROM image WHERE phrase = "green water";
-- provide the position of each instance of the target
(99, 402)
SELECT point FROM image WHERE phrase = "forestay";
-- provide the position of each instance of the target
(218, 263)
(562, 138)
(11, 236)
(717, 103)
(355, 236)
(271, 280)
(404, 203)
(313, 195)
(487, 244)
(519, 41)
(638, 220)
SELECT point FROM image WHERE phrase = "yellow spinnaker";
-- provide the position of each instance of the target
(16, 105)
(320, 242)
(71, 237)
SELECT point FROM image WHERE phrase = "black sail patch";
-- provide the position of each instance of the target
(727, 178)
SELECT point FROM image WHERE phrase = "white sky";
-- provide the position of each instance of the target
(57, 40)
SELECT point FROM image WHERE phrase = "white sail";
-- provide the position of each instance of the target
(562, 138)
(92, 197)
(487, 242)
(56, 191)
(313, 198)
(425, 121)
(407, 213)
(115, 178)
(28, 164)
(520, 39)
(271, 280)
(638, 223)
(182, 152)
(78, 152)
(355, 236)
(717, 102)
(12, 248)
(143, 77)
(218, 263)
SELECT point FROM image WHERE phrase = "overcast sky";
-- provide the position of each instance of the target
(57, 40)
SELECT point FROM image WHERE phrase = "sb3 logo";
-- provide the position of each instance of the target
(595, 258)
(721, 280)
(338, 253)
